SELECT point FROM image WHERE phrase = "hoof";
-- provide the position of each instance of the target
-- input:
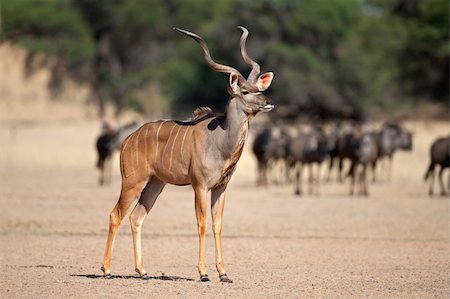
(105, 275)
(224, 278)
(204, 278)
(141, 275)
(145, 277)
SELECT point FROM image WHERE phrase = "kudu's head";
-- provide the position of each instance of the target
(248, 92)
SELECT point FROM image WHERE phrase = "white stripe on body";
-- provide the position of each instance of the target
(145, 150)
(173, 145)
(137, 147)
(182, 142)
(157, 138)
(168, 140)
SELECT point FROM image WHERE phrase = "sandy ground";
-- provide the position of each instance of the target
(54, 222)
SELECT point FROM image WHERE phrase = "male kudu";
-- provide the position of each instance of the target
(202, 152)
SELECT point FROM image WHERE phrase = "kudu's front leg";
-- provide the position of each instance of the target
(217, 206)
(200, 212)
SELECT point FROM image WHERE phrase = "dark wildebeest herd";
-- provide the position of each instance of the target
(282, 154)
(362, 147)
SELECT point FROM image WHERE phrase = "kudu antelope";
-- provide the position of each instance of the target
(202, 152)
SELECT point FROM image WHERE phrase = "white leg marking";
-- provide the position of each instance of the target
(173, 145)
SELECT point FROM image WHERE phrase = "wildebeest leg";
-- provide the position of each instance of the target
(108, 169)
(441, 181)
(364, 180)
(274, 172)
(374, 170)
(102, 168)
(298, 179)
(430, 190)
(330, 167)
(341, 165)
(352, 177)
(310, 178)
(448, 184)
(262, 173)
(318, 177)
(389, 168)
(137, 217)
(282, 172)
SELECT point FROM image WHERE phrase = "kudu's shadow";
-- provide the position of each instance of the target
(159, 277)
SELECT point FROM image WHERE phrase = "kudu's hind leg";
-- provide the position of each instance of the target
(137, 217)
(217, 206)
(127, 197)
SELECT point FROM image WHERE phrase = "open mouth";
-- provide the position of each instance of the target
(268, 107)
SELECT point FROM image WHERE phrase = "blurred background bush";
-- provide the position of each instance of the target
(331, 58)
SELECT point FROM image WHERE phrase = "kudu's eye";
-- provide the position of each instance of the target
(245, 92)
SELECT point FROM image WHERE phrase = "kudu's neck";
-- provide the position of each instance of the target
(236, 127)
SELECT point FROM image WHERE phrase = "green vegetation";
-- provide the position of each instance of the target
(331, 58)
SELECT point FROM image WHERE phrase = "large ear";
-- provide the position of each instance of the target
(264, 81)
(234, 83)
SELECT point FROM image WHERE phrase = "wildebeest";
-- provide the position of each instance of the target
(390, 138)
(308, 149)
(342, 149)
(439, 155)
(364, 151)
(269, 147)
(335, 149)
(109, 141)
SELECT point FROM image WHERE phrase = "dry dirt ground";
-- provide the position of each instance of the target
(394, 244)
